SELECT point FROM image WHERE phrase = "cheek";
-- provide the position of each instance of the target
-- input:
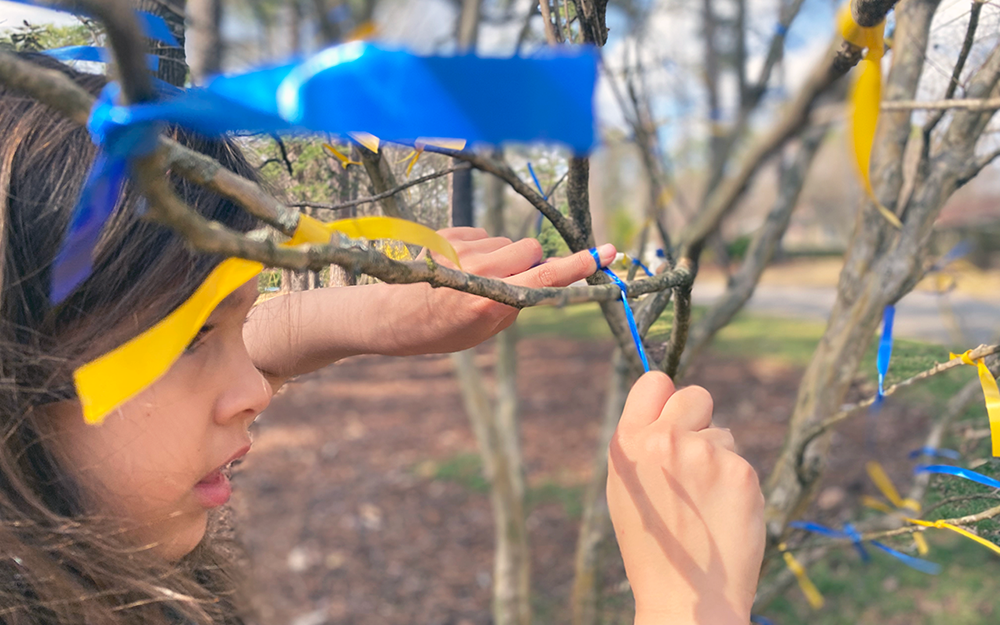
(145, 457)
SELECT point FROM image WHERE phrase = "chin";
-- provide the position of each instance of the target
(182, 536)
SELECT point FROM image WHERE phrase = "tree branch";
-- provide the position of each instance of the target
(963, 55)
(980, 104)
(846, 411)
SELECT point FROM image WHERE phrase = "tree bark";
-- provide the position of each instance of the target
(205, 38)
(173, 67)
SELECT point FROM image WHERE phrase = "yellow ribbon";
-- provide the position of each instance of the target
(345, 161)
(866, 97)
(992, 395)
(813, 595)
(368, 140)
(108, 381)
(884, 484)
(958, 530)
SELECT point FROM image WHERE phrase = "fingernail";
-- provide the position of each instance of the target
(607, 253)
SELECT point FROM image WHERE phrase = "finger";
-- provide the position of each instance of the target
(564, 271)
(463, 234)
(481, 246)
(719, 436)
(512, 259)
(645, 401)
(689, 408)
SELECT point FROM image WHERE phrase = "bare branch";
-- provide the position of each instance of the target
(765, 242)
(550, 34)
(977, 166)
(846, 411)
(375, 198)
(988, 104)
(569, 230)
(963, 55)
(679, 328)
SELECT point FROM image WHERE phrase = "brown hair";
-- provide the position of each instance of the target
(57, 564)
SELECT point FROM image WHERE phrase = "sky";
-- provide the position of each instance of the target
(13, 14)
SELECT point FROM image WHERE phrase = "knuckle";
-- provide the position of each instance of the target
(547, 276)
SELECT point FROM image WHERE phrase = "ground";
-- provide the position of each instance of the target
(362, 500)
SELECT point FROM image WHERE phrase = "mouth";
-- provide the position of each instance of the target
(214, 489)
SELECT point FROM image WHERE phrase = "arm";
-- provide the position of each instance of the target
(688, 511)
(301, 332)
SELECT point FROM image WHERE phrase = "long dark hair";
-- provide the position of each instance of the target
(57, 564)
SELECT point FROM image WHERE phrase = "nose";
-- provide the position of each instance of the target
(247, 392)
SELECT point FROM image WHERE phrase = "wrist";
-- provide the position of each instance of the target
(705, 610)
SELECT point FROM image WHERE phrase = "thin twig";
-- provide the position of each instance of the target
(963, 55)
(972, 104)
(383, 195)
(845, 411)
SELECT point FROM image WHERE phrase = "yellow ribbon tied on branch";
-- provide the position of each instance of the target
(884, 484)
(813, 595)
(958, 530)
(105, 383)
(865, 98)
(992, 395)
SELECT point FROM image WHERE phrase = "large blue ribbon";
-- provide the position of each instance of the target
(118, 141)
(968, 474)
(94, 54)
(355, 87)
(628, 310)
(884, 350)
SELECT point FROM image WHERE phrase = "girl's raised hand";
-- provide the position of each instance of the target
(443, 320)
(688, 511)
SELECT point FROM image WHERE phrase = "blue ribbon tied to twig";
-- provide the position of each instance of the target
(636, 338)
(884, 351)
(849, 533)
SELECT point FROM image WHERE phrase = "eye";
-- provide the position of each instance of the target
(198, 338)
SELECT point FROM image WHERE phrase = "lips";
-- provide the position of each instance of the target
(214, 489)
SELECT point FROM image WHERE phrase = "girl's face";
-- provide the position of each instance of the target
(157, 462)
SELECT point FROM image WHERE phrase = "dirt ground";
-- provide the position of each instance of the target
(349, 518)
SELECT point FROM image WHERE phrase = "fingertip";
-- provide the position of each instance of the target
(646, 400)
(606, 253)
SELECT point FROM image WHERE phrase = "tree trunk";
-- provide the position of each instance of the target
(882, 264)
(205, 38)
(595, 521)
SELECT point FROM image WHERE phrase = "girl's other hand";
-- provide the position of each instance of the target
(688, 511)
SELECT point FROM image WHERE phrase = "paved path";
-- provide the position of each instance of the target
(918, 315)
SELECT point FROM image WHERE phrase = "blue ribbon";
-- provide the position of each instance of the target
(538, 185)
(760, 620)
(645, 269)
(780, 29)
(884, 350)
(94, 54)
(628, 310)
(118, 142)
(924, 566)
(959, 472)
(851, 534)
(153, 26)
(359, 87)
(951, 454)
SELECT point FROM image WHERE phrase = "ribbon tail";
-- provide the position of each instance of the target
(866, 99)
(98, 197)
(991, 392)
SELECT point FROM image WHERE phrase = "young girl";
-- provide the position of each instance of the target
(109, 524)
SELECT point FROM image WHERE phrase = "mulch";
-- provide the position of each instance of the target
(347, 519)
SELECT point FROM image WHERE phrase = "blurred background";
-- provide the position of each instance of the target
(371, 495)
